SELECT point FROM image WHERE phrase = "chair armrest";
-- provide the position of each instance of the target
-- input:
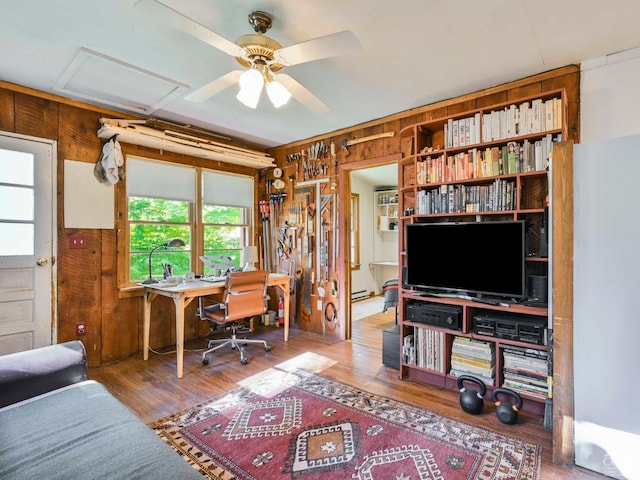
(34, 372)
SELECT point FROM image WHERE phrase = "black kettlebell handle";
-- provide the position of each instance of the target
(477, 381)
(507, 391)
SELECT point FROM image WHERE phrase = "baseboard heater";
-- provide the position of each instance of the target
(359, 295)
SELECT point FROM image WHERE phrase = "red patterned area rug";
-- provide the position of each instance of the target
(299, 425)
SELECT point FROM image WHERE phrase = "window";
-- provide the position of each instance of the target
(163, 204)
(355, 231)
(17, 212)
(227, 201)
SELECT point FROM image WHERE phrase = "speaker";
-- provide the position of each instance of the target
(544, 235)
(404, 278)
(537, 288)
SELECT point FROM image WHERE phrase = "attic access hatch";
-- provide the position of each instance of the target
(136, 132)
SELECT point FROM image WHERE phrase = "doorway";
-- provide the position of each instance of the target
(378, 250)
(27, 218)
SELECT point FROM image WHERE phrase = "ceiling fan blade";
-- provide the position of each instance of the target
(210, 89)
(159, 11)
(341, 43)
(301, 94)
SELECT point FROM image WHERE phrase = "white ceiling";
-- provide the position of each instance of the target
(414, 52)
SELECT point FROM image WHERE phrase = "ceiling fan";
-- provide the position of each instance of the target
(262, 57)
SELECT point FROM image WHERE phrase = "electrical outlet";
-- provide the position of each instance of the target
(77, 241)
(319, 305)
(81, 329)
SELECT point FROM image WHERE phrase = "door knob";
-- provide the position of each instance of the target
(42, 261)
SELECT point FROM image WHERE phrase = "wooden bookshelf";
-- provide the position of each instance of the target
(460, 168)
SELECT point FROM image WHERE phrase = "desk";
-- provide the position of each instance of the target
(184, 293)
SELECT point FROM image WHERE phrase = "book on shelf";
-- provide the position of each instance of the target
(535, 373)
(481, 362)
(488, 380)
(489, 372)
(467, 131)
(448, 130)
(525, 380)
(523, 385)
(455, 135)
(536, 393)
(549, 112)
(429, 349)
(525, 351)
(512, 148)
(474, 346)
(473, 357)
(408, 350)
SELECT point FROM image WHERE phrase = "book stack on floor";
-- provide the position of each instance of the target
(525, 370)
(425, 349)
(473, 357)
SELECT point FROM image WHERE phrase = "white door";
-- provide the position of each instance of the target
(26, 242)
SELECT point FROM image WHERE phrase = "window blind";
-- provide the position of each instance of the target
(227, 190)
(152, 179)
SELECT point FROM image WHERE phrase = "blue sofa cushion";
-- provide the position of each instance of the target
(82, 431)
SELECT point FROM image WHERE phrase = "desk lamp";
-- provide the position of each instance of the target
(250, 255)
(176, 242)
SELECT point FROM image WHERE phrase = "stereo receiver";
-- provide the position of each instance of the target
(521, 328)
(436, 314)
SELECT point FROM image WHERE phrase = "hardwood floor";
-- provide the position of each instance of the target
(151, 390)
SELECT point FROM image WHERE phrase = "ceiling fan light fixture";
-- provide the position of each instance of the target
(252, 79)
(251, 83)
(278, 93)
(249, 97)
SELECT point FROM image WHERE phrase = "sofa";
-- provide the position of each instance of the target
(57, 424)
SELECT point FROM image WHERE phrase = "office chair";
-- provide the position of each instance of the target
(244, 296)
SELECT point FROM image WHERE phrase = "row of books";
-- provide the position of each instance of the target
(524, 119)
(462, 132)
(498, 196)
(473, 357)
(425, 349)
(512, 158)
(515, 120)
(526, 370)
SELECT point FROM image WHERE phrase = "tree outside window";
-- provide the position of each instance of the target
(226, 231)
(163, 204)
(153, 222)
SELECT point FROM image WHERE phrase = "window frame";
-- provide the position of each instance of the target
(195, 213)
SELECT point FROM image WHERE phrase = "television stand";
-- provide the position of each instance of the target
(491, 301)
(460, 296)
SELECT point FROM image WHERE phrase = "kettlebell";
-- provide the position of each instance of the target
(507, 412)
(471, 401)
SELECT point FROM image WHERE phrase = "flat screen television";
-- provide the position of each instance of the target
(467, 258)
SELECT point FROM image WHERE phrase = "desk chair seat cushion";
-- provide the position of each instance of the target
(244, 296)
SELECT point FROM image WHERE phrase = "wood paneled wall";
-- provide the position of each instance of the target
(88, 278)
(380, 150)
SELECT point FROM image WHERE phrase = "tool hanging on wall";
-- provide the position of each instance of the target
(317, 217)
(266, 229)
(334, 216)
(347, 143)
(331, 316)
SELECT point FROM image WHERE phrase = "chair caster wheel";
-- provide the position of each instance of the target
(244, 361)
(267, 348)
(205, 361)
